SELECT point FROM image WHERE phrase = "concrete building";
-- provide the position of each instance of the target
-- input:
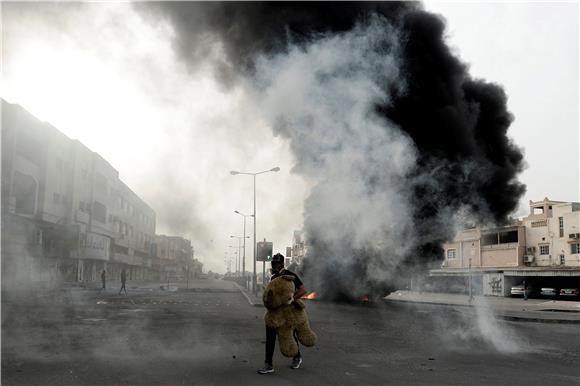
(176, 254)
(542, 248)
(299, 247)
(66, 215)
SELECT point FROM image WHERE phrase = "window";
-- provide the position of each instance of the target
(100, 212)
(544, 249)
(575, 248)
(562, 259)
(101, 184)
(489, 239)
(24, 190)
(29, 145)
(508, 237)
(451, 253)
(561, 221)
(56, 198)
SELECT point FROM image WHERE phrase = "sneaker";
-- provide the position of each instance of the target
(267, 369)
(296, 362)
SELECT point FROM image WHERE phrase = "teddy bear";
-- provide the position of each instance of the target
(287, 316)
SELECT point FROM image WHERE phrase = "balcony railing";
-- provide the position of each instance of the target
(500, 246)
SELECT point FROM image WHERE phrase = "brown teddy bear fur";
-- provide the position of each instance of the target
(287, 316)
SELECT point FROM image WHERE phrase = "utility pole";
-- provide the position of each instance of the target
(470, 290)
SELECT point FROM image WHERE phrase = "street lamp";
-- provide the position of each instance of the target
(233, 173)
(240, 249)
(244, 258)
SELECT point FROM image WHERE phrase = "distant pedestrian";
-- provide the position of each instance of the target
(104, 279)
(525, 290)
(123, 281)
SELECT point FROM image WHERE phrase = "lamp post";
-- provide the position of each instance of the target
(244, 257)
(470, 290)
(233, 173)
(240, 248)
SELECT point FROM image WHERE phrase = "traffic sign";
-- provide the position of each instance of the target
(265, 249)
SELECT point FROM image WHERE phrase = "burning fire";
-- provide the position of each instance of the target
(311, 296)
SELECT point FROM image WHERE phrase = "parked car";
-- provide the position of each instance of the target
(518, 290)
(569, 292)
(549, 292)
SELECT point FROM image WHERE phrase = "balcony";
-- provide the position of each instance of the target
(82, 217)
(495, 247)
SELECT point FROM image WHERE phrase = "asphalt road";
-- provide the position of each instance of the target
(212, 336)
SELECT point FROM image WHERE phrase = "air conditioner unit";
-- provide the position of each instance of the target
(531, 250)
(528, 259)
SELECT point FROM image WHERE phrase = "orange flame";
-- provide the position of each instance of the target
(311, 296)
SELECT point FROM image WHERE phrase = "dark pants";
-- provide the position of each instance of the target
(123, 287)
(271, 345)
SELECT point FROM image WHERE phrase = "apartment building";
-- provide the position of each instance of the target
(66, 215)
(176, 253)
(542, 248)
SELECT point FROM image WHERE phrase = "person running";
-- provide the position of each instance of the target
(123, 281)
(279, 270)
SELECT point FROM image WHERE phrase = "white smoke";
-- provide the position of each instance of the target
(321, 97)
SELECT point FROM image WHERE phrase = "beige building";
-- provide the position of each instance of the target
(553, 234)
(177, 256)
(545, 244)
(299, 247)
(66, 215)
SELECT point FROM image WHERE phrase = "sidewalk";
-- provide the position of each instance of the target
(255, 301)
(140, 286)
(533, 310)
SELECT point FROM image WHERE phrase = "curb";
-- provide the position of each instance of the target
(497, 316)
(248, 298)
(536, 320)
(207, 290)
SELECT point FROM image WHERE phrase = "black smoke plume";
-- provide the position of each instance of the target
(453, 127)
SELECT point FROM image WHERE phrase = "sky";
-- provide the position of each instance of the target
(532, 51)
(102, 74)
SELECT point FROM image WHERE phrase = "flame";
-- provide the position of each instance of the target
(365, 298)
(311, 296)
